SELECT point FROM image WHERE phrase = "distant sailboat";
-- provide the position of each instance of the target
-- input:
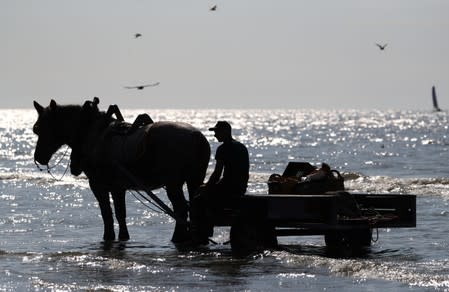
(434, 100)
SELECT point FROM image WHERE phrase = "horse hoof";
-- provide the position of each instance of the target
(109, 237)
(178, 238)
(123, 237)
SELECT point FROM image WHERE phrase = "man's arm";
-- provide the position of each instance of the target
(216, 174)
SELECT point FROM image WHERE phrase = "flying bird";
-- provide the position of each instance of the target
(382, 47)
(137, 35)
(213, 8)
(140, 87)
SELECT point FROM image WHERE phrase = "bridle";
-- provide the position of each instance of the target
(59, 160)
(49, 168)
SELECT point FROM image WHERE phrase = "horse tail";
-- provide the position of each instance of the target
(200, 163)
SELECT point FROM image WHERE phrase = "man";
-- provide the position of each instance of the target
(230, 176)
(227, 183)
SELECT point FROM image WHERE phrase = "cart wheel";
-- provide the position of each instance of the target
(247, 238)
(353, 239)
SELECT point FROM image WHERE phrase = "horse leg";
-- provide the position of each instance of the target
(201, 225)
(106, 211)
(176, 197)
(120, 213)
(193, 188)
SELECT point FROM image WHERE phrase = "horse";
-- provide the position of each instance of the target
(159, 154)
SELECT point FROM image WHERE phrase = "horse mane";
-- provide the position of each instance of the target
(83, 118)
(66, 111)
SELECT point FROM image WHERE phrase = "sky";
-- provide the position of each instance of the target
(291, 54)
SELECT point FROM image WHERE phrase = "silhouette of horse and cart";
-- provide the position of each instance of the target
(117, 156)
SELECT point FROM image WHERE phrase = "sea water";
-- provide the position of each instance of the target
(51, 230)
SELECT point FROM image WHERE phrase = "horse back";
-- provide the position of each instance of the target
(171, 139)
(177, 151)
(160, 142)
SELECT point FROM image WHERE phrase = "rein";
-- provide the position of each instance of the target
(49, 168)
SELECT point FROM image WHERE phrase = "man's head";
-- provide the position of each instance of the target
(223, 131)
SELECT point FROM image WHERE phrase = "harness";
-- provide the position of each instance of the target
(121, 137)
(49, 168)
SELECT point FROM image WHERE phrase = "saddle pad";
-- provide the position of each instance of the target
(127, 148)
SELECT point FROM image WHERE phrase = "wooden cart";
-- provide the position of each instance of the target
(345, 219)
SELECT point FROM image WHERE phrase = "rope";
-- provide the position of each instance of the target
(166, 209)
(143, 203)
(377, 236)
(49, 168)
(149, 201)
(212, 241)
(62, 176)
(60, 159)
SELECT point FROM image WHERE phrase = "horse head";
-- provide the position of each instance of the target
(48, 130)
(61, 124)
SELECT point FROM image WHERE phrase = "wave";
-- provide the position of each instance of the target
(384, 184)
(258, 182)
(431, 274)
(357, 182)
(43, 178)
(24, 177)
(283, 264)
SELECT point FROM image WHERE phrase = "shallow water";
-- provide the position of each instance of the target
(50, 231)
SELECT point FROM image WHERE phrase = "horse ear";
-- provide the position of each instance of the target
(38, 107)
(52, 104)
